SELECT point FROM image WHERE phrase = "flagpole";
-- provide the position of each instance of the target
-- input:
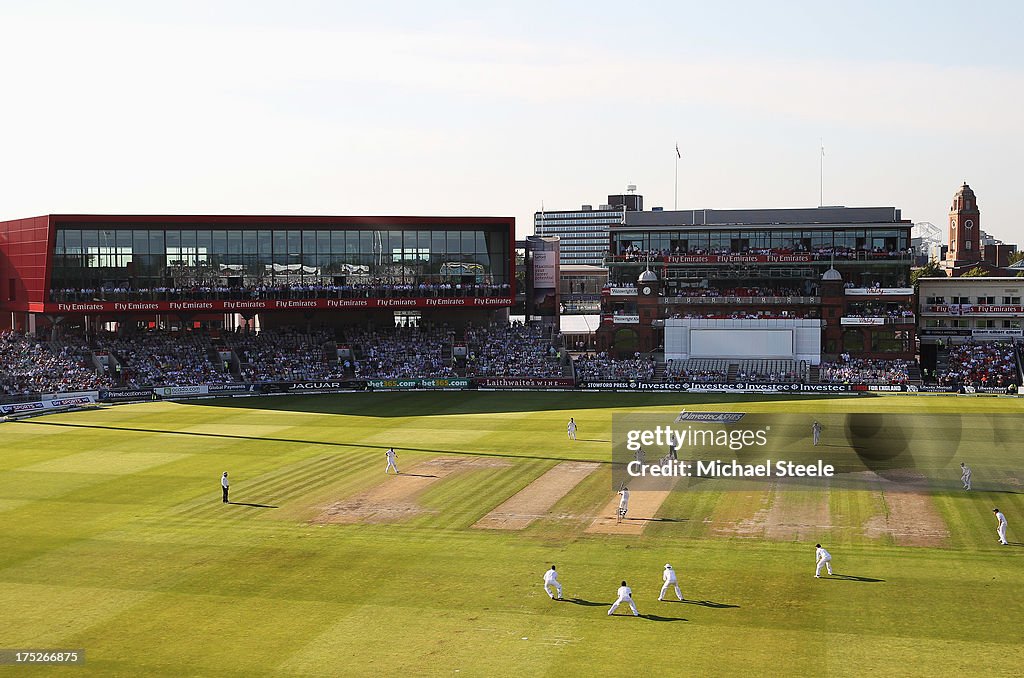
(821, 174)
(675, 200)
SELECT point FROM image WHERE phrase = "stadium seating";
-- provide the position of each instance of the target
(698, 369)
(863, 371)
(983, 365)
(603, 366)
(511, 350)
(29, 365)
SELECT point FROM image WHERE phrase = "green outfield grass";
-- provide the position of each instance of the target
(115, 540)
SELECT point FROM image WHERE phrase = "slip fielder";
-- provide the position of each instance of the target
(625, 595)
(669, 577)
(551, 579)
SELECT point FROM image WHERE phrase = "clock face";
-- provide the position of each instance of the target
(647, 290)
(968, 224)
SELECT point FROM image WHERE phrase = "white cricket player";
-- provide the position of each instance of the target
(669, 577)
(571, 428)
(641, 456)
(551, 579)
(1001, 526)
(625, 596)
(623, 503)
(816, 431)
(822, 559)
(965, 475)
(390, 454)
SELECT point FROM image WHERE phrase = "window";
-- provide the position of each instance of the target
(140, 242)
(265, 243)
(986, 300)
(1011, 300)
(249, 239)
(935, 300)
(220, 242)
(960, 300)
(235, 243)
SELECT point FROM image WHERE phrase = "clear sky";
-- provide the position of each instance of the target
(456, 108)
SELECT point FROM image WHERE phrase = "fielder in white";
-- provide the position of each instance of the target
(816, 431)
(551, 579)
(822, 559)
(669, 577)
(1000, 526)
(390, 454)
(623, 503)
(571, 428)
(965, 475)
(625, 596)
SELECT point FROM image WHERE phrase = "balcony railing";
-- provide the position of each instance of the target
(711, 301)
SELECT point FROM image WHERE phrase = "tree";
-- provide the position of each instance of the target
(929, 270)
(976, 272)
(1015, 257)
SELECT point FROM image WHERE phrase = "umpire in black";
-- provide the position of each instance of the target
(224, 485)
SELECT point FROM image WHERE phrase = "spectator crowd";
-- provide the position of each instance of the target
(29, 365)
(401, 353)
(602, 366)
(848, 370)
(511, 350)
(988, 365)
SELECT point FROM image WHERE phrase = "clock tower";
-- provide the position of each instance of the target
(964, 230)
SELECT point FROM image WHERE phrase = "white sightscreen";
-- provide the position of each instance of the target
(745, 343)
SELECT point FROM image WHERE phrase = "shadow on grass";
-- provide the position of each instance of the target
(416, 475)
(657, 618)
(850, 577)
(326, 443)
(703, 603)
(585, 603)
(413, 404)
(242, 503)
